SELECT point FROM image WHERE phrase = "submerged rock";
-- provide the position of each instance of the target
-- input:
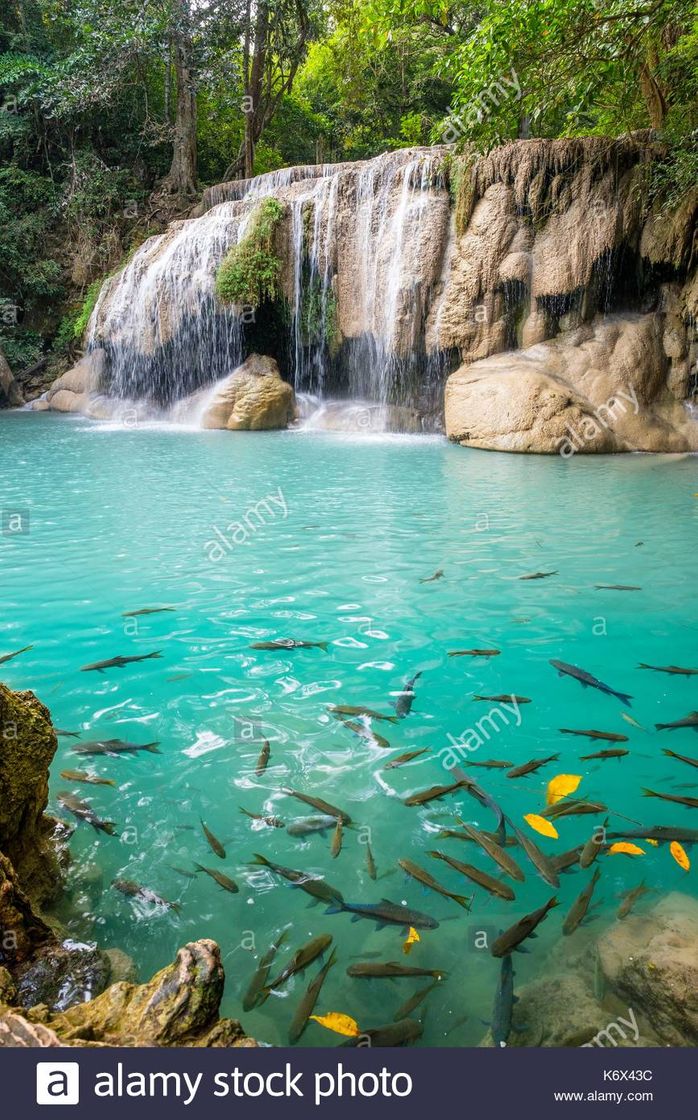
(63, 975)
(253, 398)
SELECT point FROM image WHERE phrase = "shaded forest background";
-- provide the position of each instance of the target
(114, 114)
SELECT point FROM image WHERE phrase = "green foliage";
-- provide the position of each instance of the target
(249, 273)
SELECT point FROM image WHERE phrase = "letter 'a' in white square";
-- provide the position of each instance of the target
(57, 1083)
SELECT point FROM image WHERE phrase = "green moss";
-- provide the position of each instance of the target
(249, 273)
(461, 187)
(319, 314)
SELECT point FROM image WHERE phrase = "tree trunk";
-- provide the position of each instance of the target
(655, 98)
(181, 178)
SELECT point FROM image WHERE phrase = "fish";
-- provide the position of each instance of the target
(67, 734)
(145, 610)
(661, 833)
(474, 652)
(573, 807)
(691, 720)
(263, 759)
(15, 653)
(370, 863)
(223, 880)
(358, 710)
(403, 758)
(118, 662)
(542, 863)
(567, 859)
(490, 764)
(89, 779)
(525, 927)
(675, 670)
(336, 845)
(617, 753)
(531, 766)
(405, 700)
(144, 894)
(300, 961)
(494, 886)
(253, 995)
(393, 1034)
(680, 757)
(213, 842)
(114, 747)
(319, 804)
(83, 811)
(580, 906)
(455, 834)
(484, 799)
(183, 871)
(414, 1001)
(588, 681)
(302, 826)
(365, 732)
(432, 794)
(593, 846)
(314, 885)
(609, 736)
(689, 802)
(272, 822)
(630, 898)
(290, 643)
(427, 880)
(307, 1004)
(438, 574)
(504, 1001)
(632, 721)
(496, 852)
(539, 575)
(383, 913)
(504, 698)
(616, 587)
(383, 970)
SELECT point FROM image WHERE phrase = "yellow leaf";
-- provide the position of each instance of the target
(539, 824)
(623, 848)
(561, 786)
(654, 843)
(339, 1023)
(680, 855)
(410, 940)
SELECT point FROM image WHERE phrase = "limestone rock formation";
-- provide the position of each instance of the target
(253, 398)
(74, 390)
(10, 392)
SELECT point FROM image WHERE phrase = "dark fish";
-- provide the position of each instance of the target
(253, 995)
(427, 880)
(474, 652)
(336, 845)
(67, 734)
(689, 802)
(9, 656)
(302, 826)
(402, 758)
(290, 643)
(183, 871)
(573, 807)
(272, 822)
(300, 960)
(145, 894)
(89, 779)
(413, 1002)
(370, 863)
(504, 1001)
(616, 587)
(630, 898)
(675, 670)
(438, 574)
(313, 885)
(118, 662)
(661, 832)
(567, 859)
(378, 970)
(263, 759)
(588, 681)
(457, 834)
(394, 1034)
(357, 710)
(604, 754)
(525, 927)
(542, 863)
(404, 702)
(383, 913)
(504, 698)
(146, 610)
(691, 720)
(223, 881)
(496, 852)
(307, 1004)
(532, 766)
(490, 764)
(114, 747)
(579, 907)
(365, 732)
(539, 575)
(84, 812)
(608, 736)
(494, 886)
(319, 804)
(680, 757)
(593, 846)
(213, 842)
(484, 798)
(432, 794)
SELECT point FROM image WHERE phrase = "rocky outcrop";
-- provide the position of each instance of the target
(77, 388)
(252, 398)
(10, 392)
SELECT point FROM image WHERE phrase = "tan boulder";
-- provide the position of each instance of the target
(72, 391)
(10, 392)
(252, 398)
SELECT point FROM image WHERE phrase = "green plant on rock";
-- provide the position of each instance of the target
(249, 273)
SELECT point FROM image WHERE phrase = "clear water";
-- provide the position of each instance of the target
(120, 520)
